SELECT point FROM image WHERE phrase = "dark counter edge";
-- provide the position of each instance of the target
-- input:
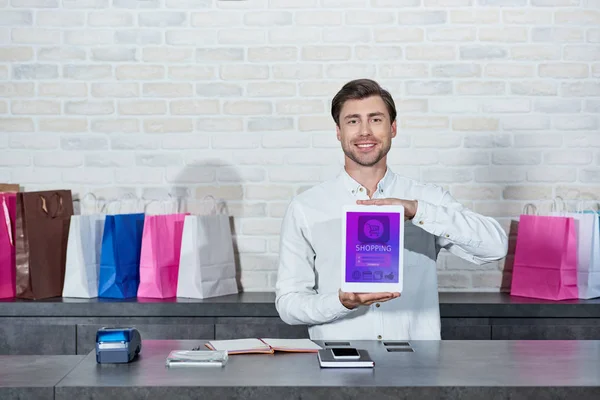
(262, 304)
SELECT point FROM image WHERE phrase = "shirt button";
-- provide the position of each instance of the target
(379, 337)
(377, 305)
(361, 189)
(421, 222)
(447, 235)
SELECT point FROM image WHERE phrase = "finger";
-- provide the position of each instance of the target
(376, 202)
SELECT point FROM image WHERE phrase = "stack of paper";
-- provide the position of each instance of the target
(266, 346)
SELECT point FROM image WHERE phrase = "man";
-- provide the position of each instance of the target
(307, 288)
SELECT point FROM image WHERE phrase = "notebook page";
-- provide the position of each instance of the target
(237, 345)
(292, 344)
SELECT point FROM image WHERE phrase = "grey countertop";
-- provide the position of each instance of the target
(33, 377)
(261, 304)
(436, 369)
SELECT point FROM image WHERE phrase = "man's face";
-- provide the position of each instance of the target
(365, 130)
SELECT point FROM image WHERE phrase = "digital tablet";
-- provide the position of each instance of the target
(372, 248)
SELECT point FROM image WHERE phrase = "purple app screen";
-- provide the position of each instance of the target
(372, 253)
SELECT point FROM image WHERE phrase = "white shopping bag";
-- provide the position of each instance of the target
(83, 254)
(206, 264)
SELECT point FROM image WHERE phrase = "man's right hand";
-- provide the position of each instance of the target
(352, 300)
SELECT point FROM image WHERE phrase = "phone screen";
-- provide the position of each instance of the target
(342, 352)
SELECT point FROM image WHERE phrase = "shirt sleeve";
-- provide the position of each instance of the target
(462, 232)
(297, 301)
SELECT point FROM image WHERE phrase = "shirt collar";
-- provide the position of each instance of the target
(354, 187)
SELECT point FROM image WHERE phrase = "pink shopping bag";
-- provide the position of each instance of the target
(545, 265)
(159, 260)
(8, 209)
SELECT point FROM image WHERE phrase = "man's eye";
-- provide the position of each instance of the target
(352, 121)
(376, 119)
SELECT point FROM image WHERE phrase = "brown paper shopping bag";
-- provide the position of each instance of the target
(8, 187)
(42, 232)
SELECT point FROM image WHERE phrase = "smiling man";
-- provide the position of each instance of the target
(308, 281)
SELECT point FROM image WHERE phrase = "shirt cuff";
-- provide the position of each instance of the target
(425, 214)
(336, 308)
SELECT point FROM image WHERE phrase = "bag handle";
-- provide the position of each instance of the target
(44, 205)
(529, 206)
(581, 207)
(555, 204)
(7, 221)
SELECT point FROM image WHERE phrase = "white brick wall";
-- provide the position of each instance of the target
(498, 100)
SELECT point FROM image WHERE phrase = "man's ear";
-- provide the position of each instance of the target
(394, 126)
(338, 133)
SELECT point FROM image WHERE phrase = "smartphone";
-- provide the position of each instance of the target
(345, 353)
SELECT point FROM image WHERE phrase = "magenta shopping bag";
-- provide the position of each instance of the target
(8, 210)
(159, 261)
(545, 264)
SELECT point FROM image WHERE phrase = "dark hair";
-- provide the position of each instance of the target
(361, 89)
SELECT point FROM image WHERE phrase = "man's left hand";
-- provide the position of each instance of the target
(410, 206)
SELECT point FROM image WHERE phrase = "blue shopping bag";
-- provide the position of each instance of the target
(120, 258)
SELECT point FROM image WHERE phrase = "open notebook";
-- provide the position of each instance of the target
(267, 346)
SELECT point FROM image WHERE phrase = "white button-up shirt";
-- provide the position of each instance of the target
(310, 264)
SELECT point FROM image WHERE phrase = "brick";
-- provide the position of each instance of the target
(26, 176)
(395, 3)
(35, 107)
(28, 141)
(578, 89)
(12, 54)
(456, 70)
(185, 142)
(576, 122)
(140, 72)
(403, 70)
(16, 18)
(140, 175)
(554, 106)
(123, 125)
(288, 107)
(592, 106)
(534, 88)
(140, 37)
(288, 140)
(438, 175)
(527, 17)
(349, 71)
(509, 157)
(269, 226)
(589, 175)
(191, 174)
(16, 89)
(316, 123)
(535, 52)
(509, 71)
(168, 125)
(482, 52)
(554, 3)
(60, 18)
(453, 280)
(482, 141)
(417, 123)
(61, 54)
(270, 54)
(582, 53)
(422, 17)
(325, 140)
(79, 142)
(577, 17)
(412, 157)
(109, 160)
(451, 106)
(251, 245)
(381, 53)
(411, 106)
(372, 18)
(503, 3)
(297, 72)
(571, 192)
(167, 90)
(216, 19)
(134, 142)
(344, 3)
(435, 53)
(551, 174)
(61, 159)
(474, 124)
(194, 107)
(499, 174)
(167, 54)
(88, 3)
(504, 34)
(114, 54)
(257, 157)
(117, 89)
(527, 193)
(162, 19)
(464, 158)
(247, 107)
(448, 3)
(188, 4)
(268, 18)
(87, 72)
(454, 34)
(314, 157)
(219, 90)
(271, 89)
(476, 88)
(557, 34)
(444, 141)
(289, 35)
(191, 37)
(593, 35)
(219, 55)
(219, 124)
(157, 160)
(89, 107)
(398, 35)
(538, 140)
(110, 18)
(476, 192)
(194, 73)
(326, 53)
(63, 125)
(242, 36)
(506, 105)
(569, 157)
(582, 140)
(243, 174)
(531, 122)
(142, 107)
(294, 174)
(35, 36)
(14, 159)
(476, 16)
(244, 72)
(91, 37)
(270, 124)
(65, 89)
(428, 88)
(292, 3)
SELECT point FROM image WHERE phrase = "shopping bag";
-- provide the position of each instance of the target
(207, 264)
(588, 274)
(42, 232)
(545, 264)
(9, 187)
(8, 208)
(160, 252)
(83, 252)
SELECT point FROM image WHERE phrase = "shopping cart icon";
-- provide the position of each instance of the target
(373, 228)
